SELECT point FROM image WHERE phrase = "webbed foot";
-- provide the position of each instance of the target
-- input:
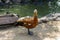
(30, 32)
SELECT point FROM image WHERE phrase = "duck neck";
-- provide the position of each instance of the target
(35, 17)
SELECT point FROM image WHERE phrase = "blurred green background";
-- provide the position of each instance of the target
(27, 9)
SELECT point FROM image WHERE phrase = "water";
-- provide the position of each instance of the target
(24, 10)
(27, 9)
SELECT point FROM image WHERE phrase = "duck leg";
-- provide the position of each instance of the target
(30, 32)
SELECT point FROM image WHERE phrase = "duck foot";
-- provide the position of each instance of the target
(30, 32)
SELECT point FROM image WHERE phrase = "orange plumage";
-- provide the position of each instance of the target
(30, 22)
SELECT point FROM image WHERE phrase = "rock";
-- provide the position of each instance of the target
(49, 17)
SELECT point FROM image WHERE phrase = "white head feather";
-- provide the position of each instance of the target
(35, 11)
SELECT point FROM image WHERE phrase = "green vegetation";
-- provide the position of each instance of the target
(24, 10)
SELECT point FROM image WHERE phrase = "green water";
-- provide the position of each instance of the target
(27, 10)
